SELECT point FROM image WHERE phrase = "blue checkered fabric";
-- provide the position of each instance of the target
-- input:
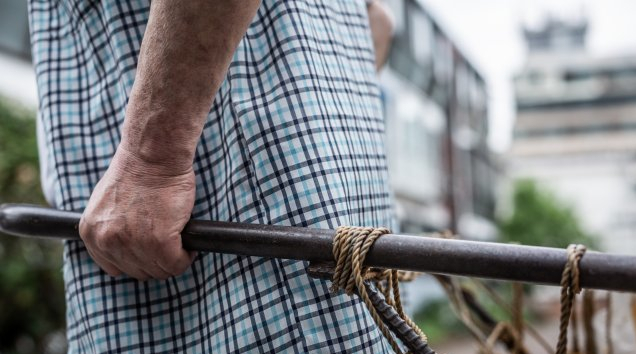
(294, 137)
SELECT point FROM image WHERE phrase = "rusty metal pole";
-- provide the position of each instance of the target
(528, 264)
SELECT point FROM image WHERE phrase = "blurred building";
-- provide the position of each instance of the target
(576, 129)
(17, 78)
(441, 167)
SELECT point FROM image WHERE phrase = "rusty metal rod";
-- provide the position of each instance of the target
(528, 264)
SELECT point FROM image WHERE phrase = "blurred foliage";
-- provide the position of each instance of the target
(540, 219)
(438, 321)
(19, 179)
(31, 286)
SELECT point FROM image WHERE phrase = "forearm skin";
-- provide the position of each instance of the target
(184, 57)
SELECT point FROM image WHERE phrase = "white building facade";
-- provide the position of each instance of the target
(576, 131)
(442, 169)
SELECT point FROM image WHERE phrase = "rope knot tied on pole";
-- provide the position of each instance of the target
(350, 247)
(570, 286)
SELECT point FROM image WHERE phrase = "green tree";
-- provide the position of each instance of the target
(31, 287)
(540, 219)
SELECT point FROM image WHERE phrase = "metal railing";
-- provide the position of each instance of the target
(527, 264)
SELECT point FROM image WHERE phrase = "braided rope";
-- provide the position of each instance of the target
(570, 286)
(406, 334)
(350, 247)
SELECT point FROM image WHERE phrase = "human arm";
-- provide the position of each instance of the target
(134, 218)
(381, 25)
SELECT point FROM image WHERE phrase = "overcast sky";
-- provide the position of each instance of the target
(489, 33)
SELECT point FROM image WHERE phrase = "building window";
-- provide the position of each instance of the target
(478, 95)
(462, 83)
(415, 127)
(421, 36)
(443, 58)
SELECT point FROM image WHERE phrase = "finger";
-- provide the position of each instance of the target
(136, 272)
(125, 261)
(148, 258)
(173, 258)
(106, 265)
(158, 272)
(152, 268)
(167, 254)
(133, 266)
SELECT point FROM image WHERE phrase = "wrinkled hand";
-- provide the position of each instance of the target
(134, 218)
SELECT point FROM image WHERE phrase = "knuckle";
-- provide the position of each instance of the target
(110, 238)
(106, 241)
(84, 227)
(108, 268)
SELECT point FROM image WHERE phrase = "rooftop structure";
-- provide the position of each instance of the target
(576, 130)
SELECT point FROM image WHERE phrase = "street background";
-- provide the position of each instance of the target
(507, 121)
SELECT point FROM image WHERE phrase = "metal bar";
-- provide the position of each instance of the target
(528, 264)
(397, 325)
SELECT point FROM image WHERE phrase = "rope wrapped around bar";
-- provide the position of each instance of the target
(350, 246)
(570, 286)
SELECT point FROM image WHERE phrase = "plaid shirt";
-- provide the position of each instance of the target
(294, 137)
